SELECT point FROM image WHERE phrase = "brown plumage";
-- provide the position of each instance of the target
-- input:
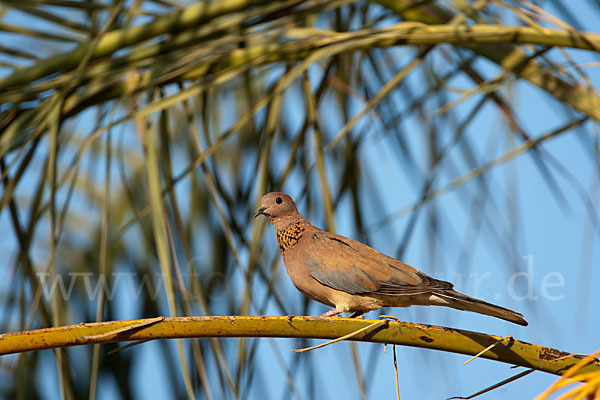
(351, 276)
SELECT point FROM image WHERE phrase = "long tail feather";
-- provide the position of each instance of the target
(463, 302)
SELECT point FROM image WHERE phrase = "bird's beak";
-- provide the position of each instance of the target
(260, 211)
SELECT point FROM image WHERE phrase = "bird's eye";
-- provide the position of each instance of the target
(279, 200)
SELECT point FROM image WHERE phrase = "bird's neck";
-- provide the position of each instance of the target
(289, 233)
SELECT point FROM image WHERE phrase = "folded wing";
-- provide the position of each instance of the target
(350, 266)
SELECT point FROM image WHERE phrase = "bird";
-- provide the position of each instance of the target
(354, 278)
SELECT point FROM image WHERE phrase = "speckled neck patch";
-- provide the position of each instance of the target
(289, 236)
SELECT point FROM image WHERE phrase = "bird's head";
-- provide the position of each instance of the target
(276, 205)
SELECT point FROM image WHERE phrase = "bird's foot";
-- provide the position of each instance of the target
(358, 314)
(331, 313)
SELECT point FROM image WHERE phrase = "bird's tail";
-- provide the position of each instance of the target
(462, 302)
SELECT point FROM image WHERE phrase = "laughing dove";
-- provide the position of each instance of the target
(351, 276)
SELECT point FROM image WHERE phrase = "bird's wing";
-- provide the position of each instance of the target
(350, 266)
